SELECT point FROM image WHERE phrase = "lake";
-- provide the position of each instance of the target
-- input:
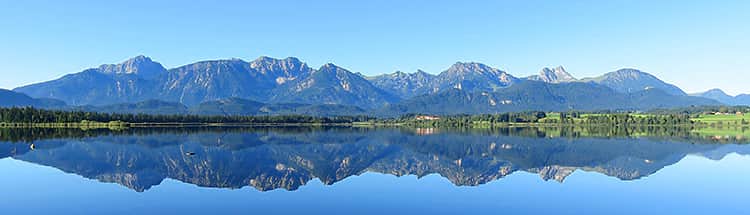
(351, 170)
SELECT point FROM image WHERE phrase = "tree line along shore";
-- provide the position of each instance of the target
(706, 117)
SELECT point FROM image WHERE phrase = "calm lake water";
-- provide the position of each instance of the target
(340, 170)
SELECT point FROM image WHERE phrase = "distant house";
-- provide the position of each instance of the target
(425, 117)
(740, 113)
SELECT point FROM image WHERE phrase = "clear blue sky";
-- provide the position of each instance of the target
(695, 44)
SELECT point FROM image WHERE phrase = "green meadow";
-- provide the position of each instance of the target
(727, 119)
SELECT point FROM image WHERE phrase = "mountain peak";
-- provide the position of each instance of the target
(630, 72)
(270, 60)
(715, 93)
(140, 65)
(721, 96)
(140, 58)
(629, 80)
(554, 75)
(329, 67)
(280, 70)
(397, 74)
(468, 66)
(473, 76)
(292, 59)
(460, 68)
(405, 85)
(401, 74)
(716, 90)
(264, 61)
(331, 84)
(265, 58)
(332, 69)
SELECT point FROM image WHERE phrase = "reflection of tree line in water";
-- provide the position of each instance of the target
(683, 133)
(667, 132)
(33, 134)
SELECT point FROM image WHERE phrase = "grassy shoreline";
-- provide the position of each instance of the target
(118, 124)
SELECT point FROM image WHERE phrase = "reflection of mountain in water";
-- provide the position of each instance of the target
(275, 158)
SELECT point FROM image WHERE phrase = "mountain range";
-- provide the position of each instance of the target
(721, 96)
(289, 86)
(14, 99)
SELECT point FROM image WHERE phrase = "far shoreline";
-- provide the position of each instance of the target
(352, 124)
